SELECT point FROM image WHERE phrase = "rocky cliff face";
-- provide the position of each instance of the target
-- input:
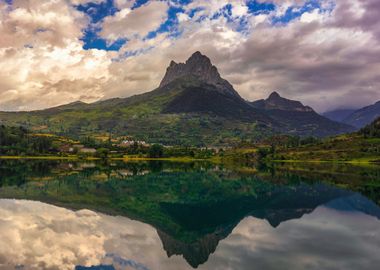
(200, 67)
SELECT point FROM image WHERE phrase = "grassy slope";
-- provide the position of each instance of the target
(347, 148)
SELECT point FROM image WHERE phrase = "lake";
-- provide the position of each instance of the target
(167, 215)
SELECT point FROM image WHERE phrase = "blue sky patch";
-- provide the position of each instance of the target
(97, 12)
(169, 25)
(256, 8)
(296, 12)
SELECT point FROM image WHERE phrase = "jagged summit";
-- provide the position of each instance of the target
(200, 67)
(274, 95)
(276, 102)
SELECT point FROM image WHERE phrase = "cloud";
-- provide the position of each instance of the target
(315, 241)
(41, 236)
(131, 23)
(40, 51)
(124, 3)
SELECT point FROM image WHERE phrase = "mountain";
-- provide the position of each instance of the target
(276, 102)
(199, 67)
(364, 116)
(299, 119)
(338, 115)
(207, 93)
(193, 105)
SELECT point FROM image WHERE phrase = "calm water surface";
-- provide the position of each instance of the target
(64, 215)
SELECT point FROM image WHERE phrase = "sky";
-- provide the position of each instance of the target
(325, 53)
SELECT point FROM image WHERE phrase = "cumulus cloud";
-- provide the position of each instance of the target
(40, 53)
(129, 23)
(327, 56)
(315, 241)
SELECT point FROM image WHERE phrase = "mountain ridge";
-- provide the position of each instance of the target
(275, 101)
(293, 113)
(193, 105)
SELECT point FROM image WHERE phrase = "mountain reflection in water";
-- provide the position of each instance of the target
(185, 216)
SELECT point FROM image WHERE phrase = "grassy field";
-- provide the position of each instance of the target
(348, 149)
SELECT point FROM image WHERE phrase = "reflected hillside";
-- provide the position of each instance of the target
(192, 206)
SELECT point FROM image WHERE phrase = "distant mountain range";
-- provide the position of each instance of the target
(357, 118)
(297, 118)
(193, 105)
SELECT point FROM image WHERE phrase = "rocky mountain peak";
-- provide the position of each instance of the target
(274, 95)
(199, 60)
(200, 67)
(172, 63)
(276, 102)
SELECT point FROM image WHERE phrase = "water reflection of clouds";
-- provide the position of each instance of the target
(41, 236)
(325, 239)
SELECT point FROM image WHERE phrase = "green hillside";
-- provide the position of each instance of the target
(362, 146)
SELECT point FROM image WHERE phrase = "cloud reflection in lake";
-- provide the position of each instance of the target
(40, 236)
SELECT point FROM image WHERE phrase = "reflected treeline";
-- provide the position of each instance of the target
(17, 172)
(364, 179)
(192, 205)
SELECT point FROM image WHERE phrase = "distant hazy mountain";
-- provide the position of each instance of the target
(338, 115)
(193, 105)
(364, 116)
(299, 119)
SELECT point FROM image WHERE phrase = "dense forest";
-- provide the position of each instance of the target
(372, 130)
(18, 141)
(22, 142)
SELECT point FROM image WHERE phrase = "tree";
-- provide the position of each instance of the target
(156, 151)
(102, 153)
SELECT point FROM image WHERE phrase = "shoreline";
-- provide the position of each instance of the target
(177, 159)
(183, 159)
(353, 162)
